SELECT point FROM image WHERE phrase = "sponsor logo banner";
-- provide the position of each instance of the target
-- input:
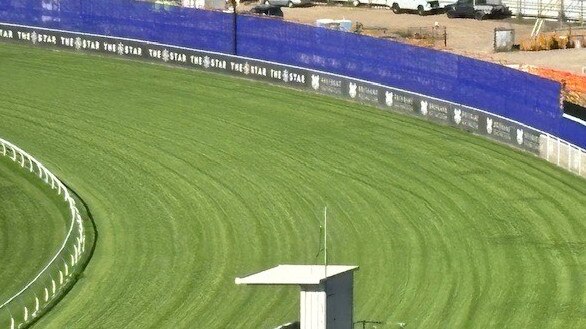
(398, 100)
(327, 84)
(435, 110)
(512, 133)
(466, 119)
(6, 33)
(156, 53)
(363, 92)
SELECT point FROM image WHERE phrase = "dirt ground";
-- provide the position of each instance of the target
(464, 36)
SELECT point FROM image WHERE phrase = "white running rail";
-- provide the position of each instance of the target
(563, 154)
(22, 307)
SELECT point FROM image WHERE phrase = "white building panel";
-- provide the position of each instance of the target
(571, 9)
(326, 298)
(312, 308)
(295, 274)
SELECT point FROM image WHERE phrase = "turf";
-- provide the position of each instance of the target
(33, 224)
(195, 179)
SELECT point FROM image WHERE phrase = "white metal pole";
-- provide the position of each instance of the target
(325, 242)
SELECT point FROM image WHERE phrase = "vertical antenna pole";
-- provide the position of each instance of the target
(326, 242)
(325, 265)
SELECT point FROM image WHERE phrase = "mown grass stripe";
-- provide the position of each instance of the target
(198, 178)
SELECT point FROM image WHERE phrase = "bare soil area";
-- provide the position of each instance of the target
(464, 36)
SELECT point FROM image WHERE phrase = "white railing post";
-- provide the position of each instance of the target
(569, 156)
(45, 174)
(21, 158)
(37, 305)
(48, 292)
(575, 152)
(547, 147)
(74, 255)
(580, 163)
(559, 147)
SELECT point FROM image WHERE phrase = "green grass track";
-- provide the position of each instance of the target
(33, 225)
(195, 178)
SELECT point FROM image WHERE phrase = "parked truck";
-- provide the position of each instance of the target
(478, 9)
(422, 7)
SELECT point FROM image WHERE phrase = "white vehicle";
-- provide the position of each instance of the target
(288, 3)
(422, 7)
(444, 3)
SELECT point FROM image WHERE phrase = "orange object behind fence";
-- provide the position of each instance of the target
(574, 85)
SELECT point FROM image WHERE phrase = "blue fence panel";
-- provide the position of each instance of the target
(174, 25)
(491, 87)
(503, 91)
(570, 131)
(511, 93)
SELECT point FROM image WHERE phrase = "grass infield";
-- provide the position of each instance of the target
(33, 224)
(195, 178)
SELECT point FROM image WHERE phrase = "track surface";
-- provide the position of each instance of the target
(195, 179)
(33, 224)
